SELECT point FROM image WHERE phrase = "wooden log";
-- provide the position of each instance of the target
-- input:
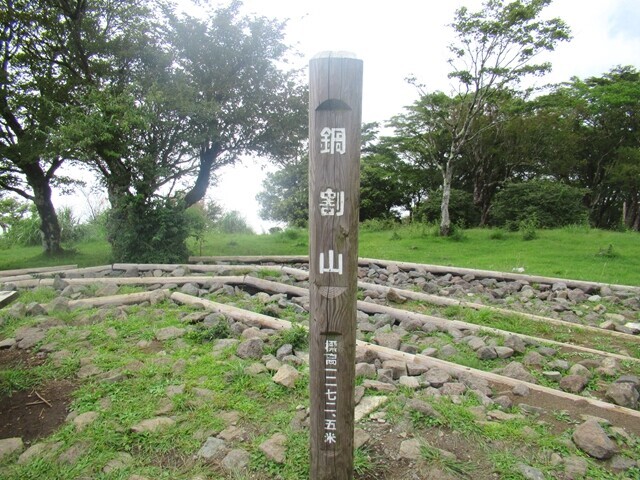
(443, 301)
(47, 282)
(7, 297)
(116, 300)
(582, 284)
(614, 413)
(86, 270)
(144, 267)
(245, 316)
(29, 271)
(251, 259)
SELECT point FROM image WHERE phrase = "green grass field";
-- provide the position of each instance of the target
(576, 253)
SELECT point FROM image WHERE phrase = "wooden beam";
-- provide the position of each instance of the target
(29, 271)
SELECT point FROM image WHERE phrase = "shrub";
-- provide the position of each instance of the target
(233, 222)
(148, 231)
(379, 224)
(552, 204)
(461, 209)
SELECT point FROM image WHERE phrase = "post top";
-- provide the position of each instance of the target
(335, 54)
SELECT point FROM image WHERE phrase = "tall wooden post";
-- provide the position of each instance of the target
(335, 108)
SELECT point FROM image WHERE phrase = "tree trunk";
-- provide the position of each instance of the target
(49, 225)
(445, 221)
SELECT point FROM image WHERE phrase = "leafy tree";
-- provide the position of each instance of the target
(179, 99)
(492, 53)
(547, 203)
(605, 113)
(33, 86)
(285, 194)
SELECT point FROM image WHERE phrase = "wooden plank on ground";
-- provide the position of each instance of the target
(7, 297)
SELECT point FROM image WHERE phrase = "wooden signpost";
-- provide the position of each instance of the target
(335, 105)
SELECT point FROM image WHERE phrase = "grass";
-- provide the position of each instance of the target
(576, 253)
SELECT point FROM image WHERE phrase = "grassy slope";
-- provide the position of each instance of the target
(567, 253)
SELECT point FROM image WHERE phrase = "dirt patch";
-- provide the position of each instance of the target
(26, 414)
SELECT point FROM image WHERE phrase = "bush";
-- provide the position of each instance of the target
(148, 231)
(233, 222)
(378, 224)
(462, 211)
(551, 204)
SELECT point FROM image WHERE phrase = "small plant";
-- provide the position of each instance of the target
(297, 337)
(395, 236)
(607, 252)
(202, 334)
(528, 228)
(498, 234)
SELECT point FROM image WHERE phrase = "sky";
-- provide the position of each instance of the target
(409, 37)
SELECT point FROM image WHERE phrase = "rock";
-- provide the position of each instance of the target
(620, 464)
(397, 367)
(379, 386)
(562, 365)
(410, 449)
(447, 351)
(409, 382)
(529, 472)
(169, 333)
(106, 290)
(573, 383)
(436, 377)
(365, 370)
(274, 448)
(83, 420)
(486, 353)
(284, 350)
(286, 376)
(389, 340)
(533, 359)
(74, 453)
(415, 369)
(504, 401)
(122, 460)
(34, 309)
(504, 352)
(581, 370)
(593, 440)
(453, 388)
(394, 297)
(360, 438)
(634, 327)
(502, 416)
(236, 460)
(9, 446)
(58, 305)
(575, 467)
(552, 375)
(367, 405)
(423, 408)
(7, 343)
(37, 450)
(29, 337)
(623, 394)
(153, 425)
(251, 348)
(212, 447)
(517, 371)
(515, 343)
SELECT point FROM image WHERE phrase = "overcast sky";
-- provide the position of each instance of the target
(399, 38)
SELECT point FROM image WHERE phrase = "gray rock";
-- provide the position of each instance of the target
(475, 343)
(34, 309)
(7, 343)
(106, 290)
(436, 377)
(529, 472)
(74, 453)
(515, 343)
(236, 460)
(547, 351)
(360, 438)
(575, 467)
(504, 401)
(533, 359)
(397, 367)
(423, 408)
(517, 371)
(366, 370)
(274, 448)
(620, 464)
(410, 449)
(389, 340)
(395, 297)
(169, 333)
(58, 305)
(577, 369)
(122, 460)
(573, 383)
(85, 419)
(251, 348)
(552, 375)
(190, 289)
(593, 440)
(37, 450)
(153, 425)
(504, 352)
(447, 351)
(562, 365)
(212, 447)
(453, 388)
(486, 353)
(409, 382)
(623, 394)
(286, 376)
(9, 446)
(29, 337)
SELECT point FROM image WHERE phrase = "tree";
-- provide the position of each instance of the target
(285, 194)
(32, 89)
(195, 96)
(493, 53)
(605, 114)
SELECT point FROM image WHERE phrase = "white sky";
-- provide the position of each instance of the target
(410, 37)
